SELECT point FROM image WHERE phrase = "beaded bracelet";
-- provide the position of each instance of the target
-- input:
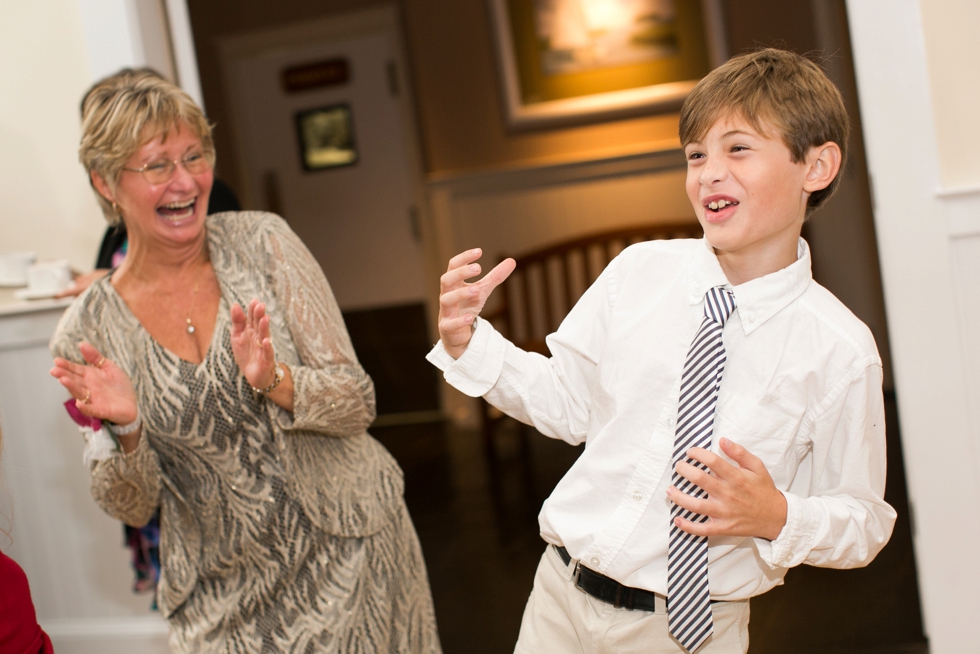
(126, 430)
(275, 382)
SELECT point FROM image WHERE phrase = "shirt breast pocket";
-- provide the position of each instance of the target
(764, 430)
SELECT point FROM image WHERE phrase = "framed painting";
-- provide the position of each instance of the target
(575, 61)
(326, 137)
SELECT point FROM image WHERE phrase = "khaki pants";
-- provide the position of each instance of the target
(561, 619)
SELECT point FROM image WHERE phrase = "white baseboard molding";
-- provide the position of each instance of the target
(106, 628)
(147, 635)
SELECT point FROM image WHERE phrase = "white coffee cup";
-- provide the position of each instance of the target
(49, 277)
(13, 267)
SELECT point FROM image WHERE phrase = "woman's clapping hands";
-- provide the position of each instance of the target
(251, 344)
(101, 389)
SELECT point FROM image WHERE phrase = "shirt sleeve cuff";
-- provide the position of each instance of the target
(792, 545)
(478, 369)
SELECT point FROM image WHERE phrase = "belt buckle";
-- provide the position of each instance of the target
(575, 575)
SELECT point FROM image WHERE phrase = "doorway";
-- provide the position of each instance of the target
(321, 115)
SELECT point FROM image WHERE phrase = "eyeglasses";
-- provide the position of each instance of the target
(161, 172)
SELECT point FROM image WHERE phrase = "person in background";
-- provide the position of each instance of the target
(217, 357)
(19, 631)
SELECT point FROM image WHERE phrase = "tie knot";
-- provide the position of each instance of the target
(719, 304)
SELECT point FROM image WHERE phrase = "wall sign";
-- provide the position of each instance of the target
(331, 72)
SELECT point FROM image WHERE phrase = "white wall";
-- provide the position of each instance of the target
(50, 53)
(953, 60)
(48, 205)
(929, 240)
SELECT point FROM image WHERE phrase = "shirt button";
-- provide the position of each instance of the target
(750, 317)
(637, 495)
(594, 561)
(671, 422)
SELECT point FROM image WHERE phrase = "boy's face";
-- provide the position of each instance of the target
(757, 191)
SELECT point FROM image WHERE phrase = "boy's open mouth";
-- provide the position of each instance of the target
(178, 210)
(718, 205)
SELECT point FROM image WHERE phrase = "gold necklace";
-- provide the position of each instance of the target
(190, 325)
(190, 312)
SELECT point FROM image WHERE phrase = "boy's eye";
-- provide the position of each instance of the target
(739, 148)
(694, 155)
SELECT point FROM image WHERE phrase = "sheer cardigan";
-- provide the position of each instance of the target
(348, 484)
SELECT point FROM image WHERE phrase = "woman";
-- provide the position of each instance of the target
(283, 526)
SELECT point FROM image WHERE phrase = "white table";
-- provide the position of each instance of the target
(72, 552)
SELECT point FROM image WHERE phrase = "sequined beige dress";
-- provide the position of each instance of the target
(279, 532)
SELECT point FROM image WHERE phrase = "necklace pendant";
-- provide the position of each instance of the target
(190, 329)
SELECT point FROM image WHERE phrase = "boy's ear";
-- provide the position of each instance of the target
(823, 163)
(98, 181)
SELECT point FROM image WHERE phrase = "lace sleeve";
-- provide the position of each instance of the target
(332, 393)
(127, 487)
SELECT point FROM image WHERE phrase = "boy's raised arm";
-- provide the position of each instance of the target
(460, 302)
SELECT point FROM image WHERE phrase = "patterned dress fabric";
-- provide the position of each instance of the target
(279, 532)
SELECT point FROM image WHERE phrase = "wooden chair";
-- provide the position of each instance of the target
(542, 290)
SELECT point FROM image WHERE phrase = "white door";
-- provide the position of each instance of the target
(359, 220)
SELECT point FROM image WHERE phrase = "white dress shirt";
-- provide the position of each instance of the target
(801, 390)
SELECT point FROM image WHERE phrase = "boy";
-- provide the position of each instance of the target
(731, 407)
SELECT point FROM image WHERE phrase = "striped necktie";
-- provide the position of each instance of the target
(688, 597)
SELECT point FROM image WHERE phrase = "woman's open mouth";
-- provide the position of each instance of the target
(177, 211)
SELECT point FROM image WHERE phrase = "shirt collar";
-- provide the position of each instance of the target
(758, 300)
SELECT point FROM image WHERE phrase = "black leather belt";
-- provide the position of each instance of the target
(609, 590)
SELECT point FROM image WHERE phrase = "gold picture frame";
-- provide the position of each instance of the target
(326, 137)
(575, 61)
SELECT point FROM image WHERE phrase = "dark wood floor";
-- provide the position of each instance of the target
(480, 537)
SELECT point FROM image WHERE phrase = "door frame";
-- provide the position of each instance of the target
(385, 20)
(921, 227)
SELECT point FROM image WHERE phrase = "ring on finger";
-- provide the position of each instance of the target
(88, 394)
(98, 364)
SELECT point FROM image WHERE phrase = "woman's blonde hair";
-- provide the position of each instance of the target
(123, 112)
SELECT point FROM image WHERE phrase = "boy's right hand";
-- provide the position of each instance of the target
(460, 302)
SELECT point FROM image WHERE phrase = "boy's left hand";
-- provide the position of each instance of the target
(742, 500)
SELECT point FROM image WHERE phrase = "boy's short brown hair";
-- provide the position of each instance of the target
(772, 88)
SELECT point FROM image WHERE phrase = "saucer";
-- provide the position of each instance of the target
(35, 294)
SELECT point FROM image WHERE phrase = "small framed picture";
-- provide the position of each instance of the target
(575, 61)
(326, 137)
